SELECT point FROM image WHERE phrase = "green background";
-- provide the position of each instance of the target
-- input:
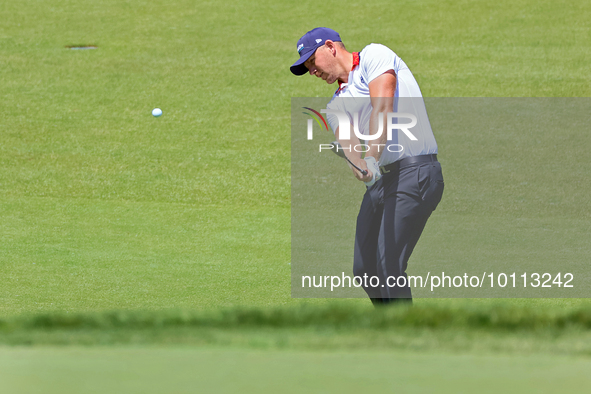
(103, 207)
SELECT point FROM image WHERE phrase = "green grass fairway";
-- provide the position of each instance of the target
(107, 211)
(213, 370)
(103, 206)
(109, 254)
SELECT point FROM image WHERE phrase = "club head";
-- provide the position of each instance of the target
(337, 149)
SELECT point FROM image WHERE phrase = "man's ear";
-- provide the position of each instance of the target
(331, 47)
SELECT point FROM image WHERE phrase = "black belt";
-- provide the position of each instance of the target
(407, 162)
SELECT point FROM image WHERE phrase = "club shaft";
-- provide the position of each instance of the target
(339, 152)
(357, 168)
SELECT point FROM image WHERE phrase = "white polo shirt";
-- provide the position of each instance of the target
(353, 97)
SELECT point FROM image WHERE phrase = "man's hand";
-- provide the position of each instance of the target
(363, 165)
(374, 170)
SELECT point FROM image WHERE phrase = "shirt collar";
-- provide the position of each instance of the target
(356, 60)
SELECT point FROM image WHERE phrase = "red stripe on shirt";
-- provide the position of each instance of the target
(356, 60)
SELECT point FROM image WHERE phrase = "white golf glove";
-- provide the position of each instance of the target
(373, 166)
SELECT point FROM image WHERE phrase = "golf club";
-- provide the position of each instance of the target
(339, 152)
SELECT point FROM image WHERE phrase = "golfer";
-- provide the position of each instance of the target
(380, 96)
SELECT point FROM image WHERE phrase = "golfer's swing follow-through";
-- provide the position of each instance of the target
(404, 180)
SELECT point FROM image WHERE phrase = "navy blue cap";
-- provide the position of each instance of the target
(308, 44)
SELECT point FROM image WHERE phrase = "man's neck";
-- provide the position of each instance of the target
(348, 65)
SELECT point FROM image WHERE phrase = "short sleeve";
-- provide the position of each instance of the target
(332, 119)
(333, 122)
(375, 60)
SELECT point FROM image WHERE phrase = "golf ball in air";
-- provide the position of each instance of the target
(156, 112)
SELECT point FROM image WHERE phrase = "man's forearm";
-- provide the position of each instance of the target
(377, 146)
(381, 90)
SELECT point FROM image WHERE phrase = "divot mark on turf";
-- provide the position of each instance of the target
(81, 47)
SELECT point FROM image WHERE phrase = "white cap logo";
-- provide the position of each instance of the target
(318, 40)
(300, 47)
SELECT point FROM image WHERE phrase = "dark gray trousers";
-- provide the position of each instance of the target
(391, 219)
